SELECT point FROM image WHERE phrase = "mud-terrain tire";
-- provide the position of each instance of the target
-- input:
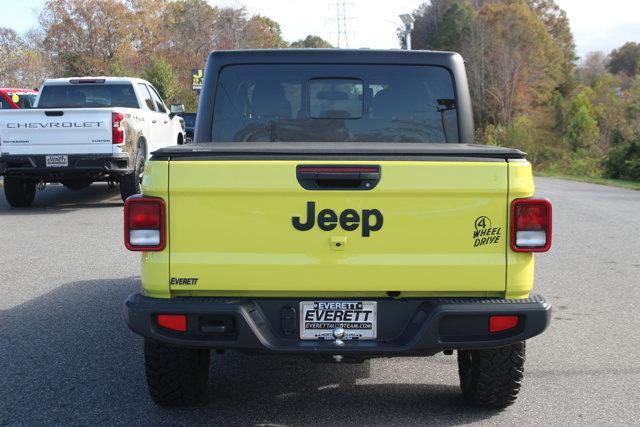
(130, 183)
(19, 192)
(176, 376)
(492, 377)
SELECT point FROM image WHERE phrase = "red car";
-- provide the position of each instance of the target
(17, 98)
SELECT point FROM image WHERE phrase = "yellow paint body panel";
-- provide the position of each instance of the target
(155, 265)
(230, 226)
(520, 265)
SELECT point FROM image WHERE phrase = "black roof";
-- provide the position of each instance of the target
(338, 56)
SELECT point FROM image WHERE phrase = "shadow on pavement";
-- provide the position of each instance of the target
(68, 357)
(57, 199)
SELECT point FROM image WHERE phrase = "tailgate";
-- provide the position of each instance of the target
(427, 226)
(58, 131)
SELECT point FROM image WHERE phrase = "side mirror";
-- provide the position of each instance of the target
(176, 108)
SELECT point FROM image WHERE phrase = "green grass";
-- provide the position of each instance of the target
(632, 185)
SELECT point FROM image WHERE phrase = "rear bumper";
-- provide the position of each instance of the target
(405, 326)
(79, 164)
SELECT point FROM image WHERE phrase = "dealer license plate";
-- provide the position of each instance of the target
(318, 319)
(57, 161)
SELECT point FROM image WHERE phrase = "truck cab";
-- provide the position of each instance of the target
(334, 206)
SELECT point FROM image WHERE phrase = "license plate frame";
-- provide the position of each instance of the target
(57, 161)
(362, 323)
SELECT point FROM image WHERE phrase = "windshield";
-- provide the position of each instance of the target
(83, 95)
(337, 103)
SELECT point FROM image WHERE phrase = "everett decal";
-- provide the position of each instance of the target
(183, 281)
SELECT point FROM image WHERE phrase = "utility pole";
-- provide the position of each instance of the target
(407, 20)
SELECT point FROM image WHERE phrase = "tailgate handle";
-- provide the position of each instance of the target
(338, 177)
(54, 113)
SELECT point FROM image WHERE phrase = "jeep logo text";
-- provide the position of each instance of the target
(349, 220)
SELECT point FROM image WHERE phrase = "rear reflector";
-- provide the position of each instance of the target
(175, 322)
(144, 223)
(530, 225)
(502, 323)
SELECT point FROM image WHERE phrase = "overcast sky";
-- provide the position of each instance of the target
(597, 25)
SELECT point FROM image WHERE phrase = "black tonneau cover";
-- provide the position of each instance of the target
(333, 151)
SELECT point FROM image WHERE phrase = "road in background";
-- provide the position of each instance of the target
(67, 357)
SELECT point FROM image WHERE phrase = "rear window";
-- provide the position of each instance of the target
(84, 95)
(335, 103)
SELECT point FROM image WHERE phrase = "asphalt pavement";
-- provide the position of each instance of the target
(67, 357)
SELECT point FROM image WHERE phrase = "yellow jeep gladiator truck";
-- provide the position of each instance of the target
(334, 205)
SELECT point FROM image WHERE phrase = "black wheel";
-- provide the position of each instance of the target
(130, 183)
(77, 183)
(492, 377)
(19, 192)
(176, 376)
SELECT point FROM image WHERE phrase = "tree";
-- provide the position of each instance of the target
(10, 47)
(594, 64)
(21, 62)
(163, 77)
(229, 28)
(514, 50)
(625, 59)
(623, 161)
(261, 32)
(192, 29)
(453, 27)
(311, 42)
(557, 23)
(158, 25)
(87, 36)
(582, 127)
(523, 61)
(427, 22)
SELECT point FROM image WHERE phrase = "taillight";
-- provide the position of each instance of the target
(531, 225)
(117, 129)
(144, 223)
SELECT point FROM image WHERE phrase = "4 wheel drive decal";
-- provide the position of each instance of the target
(349, 220)
(484, 233)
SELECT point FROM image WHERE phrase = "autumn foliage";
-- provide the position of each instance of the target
(527, 90)
(161, 40)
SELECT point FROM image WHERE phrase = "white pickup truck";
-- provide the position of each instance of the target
(84, 130)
